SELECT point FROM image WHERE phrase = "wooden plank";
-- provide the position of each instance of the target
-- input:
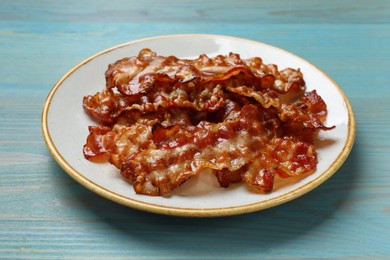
(44, 214)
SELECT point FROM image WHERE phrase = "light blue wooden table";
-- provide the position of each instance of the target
(46, 214)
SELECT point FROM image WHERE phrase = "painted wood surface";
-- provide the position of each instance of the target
(45, 214)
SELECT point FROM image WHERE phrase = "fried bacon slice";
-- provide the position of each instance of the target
(139, 74)
(163, 120)
(183, 151)
(149, 82)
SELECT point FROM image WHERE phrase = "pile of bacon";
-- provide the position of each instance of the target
(163, 120)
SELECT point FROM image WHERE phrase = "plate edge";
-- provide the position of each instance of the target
(190, 212)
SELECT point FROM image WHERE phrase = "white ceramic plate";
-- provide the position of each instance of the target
(65, 123)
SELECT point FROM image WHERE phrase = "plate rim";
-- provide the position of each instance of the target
(193, 212)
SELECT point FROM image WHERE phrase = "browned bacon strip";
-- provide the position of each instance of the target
(105, 106)
(149, 82)
(138, 75)
(183, 151)
(310, 111)
(100, 141)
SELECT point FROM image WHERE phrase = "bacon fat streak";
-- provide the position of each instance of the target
(162, 120)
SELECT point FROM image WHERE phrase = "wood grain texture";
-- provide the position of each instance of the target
(45, 214)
